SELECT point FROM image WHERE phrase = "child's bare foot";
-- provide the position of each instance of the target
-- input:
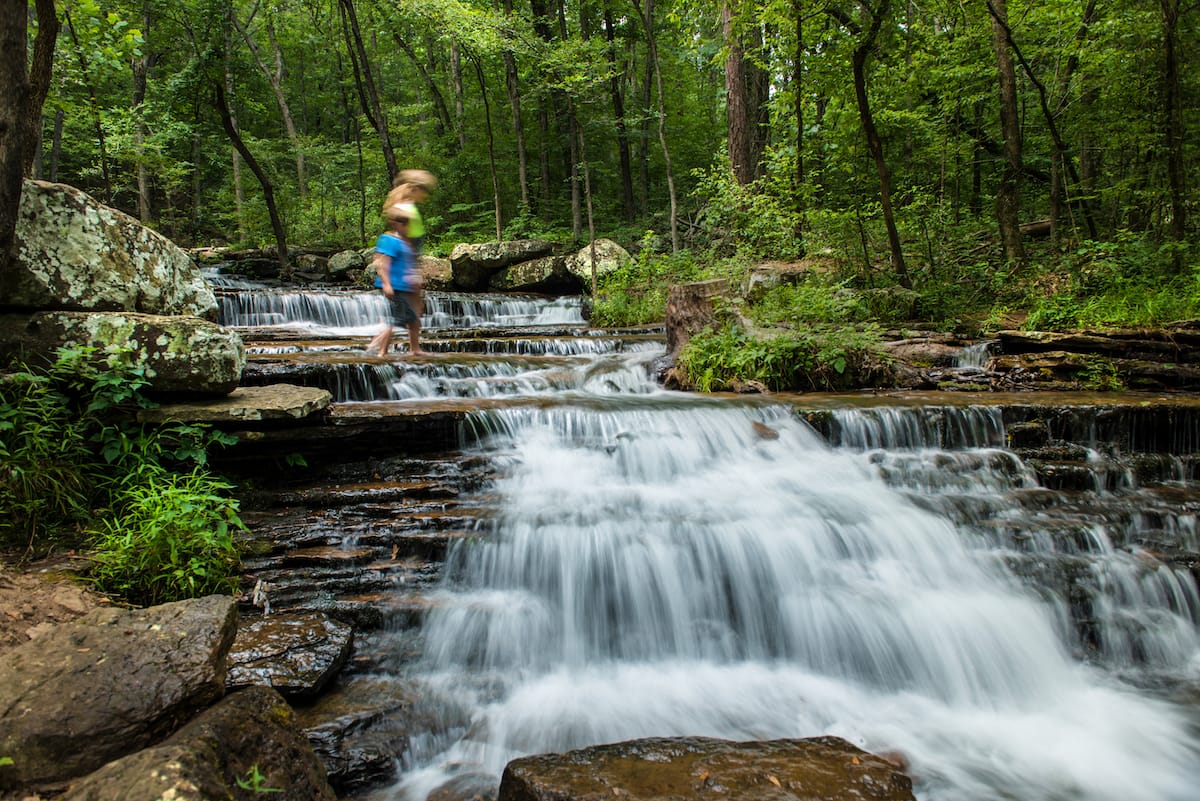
(418, 352)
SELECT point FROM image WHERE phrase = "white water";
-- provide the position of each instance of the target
(658, 568)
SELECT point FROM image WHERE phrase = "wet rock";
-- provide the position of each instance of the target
(244, 404)
(296, 654)
(471, 786)
(246, 747)
(360, 730)
(182, 355)
(73, 253)
(665, 769)
(107, 684)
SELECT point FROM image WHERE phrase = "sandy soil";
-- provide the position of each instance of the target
(34, 597)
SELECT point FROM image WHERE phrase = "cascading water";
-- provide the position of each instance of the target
(663, 564)
(664, 567)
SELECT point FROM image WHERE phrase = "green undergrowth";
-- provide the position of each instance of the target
(78, 471)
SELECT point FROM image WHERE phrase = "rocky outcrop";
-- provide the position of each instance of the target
(474, 265)
(180, 354)
(665, 769)
(295, 653)
(535, 275)
(73, 253)
(243, 748)
(285, 402)
(108, 684)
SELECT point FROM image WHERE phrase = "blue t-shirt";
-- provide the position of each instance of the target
(402, 261)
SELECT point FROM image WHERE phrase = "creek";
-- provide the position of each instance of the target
(598, 559)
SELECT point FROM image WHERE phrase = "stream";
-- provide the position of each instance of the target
(602, 560)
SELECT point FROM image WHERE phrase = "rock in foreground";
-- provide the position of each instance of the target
(674, 769)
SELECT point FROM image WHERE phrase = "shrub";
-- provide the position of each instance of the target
(173, 537)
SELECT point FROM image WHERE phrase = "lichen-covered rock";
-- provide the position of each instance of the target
(107, 684)
(183, 355)
(246, 747)
(74, 253)
(474, 265)
(438, 273)
(667, 769)
(546, 274)
(608, 255)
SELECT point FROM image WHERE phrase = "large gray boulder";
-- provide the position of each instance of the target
(109, 684)
(246, 747)
(183, 355)
(74, 253)
(667, 769)
(537, 275)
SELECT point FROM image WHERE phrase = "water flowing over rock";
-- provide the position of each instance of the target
(244, 747)
(108, 684)
(76, 254)
(666, 769)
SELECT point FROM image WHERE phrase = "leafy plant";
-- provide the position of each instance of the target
(255, 782)
(173, 537)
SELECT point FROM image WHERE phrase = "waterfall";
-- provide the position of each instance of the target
(718, 569)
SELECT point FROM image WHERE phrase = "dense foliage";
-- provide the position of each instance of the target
(76, 470)
(543, 117)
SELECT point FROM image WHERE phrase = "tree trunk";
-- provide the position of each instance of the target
(798, 108)
(364, 79)
(459, 107)
(231, 131)
(1173, 125)
(94, 105)
(745, 96)
(141, 70)
(646, 12)
(239, 199)
(274, 75)
(40, 74)
(441, 113)
(512, 84)
(56, 144)
(491, 146)
(618, 102)
(1008, 194)
(874, 143)
(14, 105)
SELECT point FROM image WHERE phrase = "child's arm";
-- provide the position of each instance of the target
(383, 268)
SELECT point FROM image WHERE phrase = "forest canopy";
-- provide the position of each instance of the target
(896, 134)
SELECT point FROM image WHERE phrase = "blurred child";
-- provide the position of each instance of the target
(401, 282)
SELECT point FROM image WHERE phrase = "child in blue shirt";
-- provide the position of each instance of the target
(401, 282)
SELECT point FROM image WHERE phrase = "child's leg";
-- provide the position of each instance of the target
(414, 338)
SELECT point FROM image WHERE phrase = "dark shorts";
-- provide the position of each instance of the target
(401, 304)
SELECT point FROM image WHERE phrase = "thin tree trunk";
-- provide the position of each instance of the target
(491, 146)
(1173, 125)
(618, 102)
(94, 105)
(239, 198)
(365, 81)
(141, 70)
(1008, 194)
(56, 144)
(875, 143)
(646, 12)
(798, 108)
(274, 75)
(459, 107)
(235, 137)
(644, 136)
(576, 178)
(40, 74)
(737, 112)
(513, 84)
(441, 113)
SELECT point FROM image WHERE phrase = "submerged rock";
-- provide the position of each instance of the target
(666, 769)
